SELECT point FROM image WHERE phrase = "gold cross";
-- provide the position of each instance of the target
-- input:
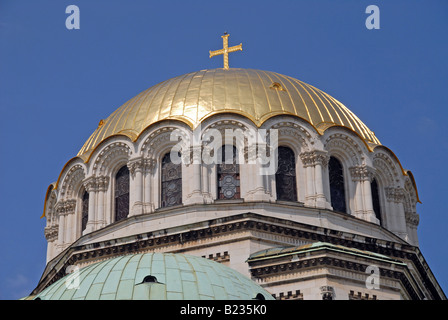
(225, 50)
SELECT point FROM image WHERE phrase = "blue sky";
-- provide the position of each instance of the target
(56, 84)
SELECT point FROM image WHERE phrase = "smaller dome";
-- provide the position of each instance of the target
(154, 276)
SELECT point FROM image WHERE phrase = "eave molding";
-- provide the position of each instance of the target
(93, 252)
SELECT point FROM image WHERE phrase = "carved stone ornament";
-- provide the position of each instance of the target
(412, 218)
(149, 164)
(70, 182)
(51, 232)
(135, 165)
(110, 154)
(327, 292)
(93, 184)
(102, 183)
(312, 158)
(65, 207)
(144, 165)
(342, 143)
(295, 131)
(361, 173)
(395, 194)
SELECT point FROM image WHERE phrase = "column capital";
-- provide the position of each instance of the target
(196, 153)
(141, 164)
(65, 207)
(96, 183)
(51, 232)
(361, 173)
(314, 157)
(412, 218)
(135, 165)
(395, 194)
(251, 151)
(149, 164)
(102, 183)
(90, 184)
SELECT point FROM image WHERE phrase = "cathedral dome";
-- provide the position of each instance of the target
(255, 94)
(155, 276)
(123, 197)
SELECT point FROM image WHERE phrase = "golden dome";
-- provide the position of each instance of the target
(255, 94)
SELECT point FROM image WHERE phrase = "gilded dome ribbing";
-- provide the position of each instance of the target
(255, 94)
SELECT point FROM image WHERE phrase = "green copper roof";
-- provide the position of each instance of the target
(154, 276)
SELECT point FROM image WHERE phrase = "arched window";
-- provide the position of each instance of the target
(171, 182)
(228, 174)
(84, 210)
(376, 199)
(122, 193)
(285, 177)
(337, 188)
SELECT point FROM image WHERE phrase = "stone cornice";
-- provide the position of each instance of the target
(333, 262)
(213, 228)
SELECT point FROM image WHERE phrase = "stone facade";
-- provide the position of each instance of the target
(231, 231)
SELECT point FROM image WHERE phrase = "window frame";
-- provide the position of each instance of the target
(293, 168)
(84, 214)
(343, 175)
(118, 216)
(178, 180)
(378, 214)
(220, 175)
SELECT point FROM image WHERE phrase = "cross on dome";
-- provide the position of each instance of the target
(225, 50)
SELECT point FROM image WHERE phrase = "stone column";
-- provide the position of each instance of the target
(136, 186)
(367, 199)
(102, 185)
(412, 221)
(194, 176)
(60, 242)
(51, 234)
(70, 223)
(357, 177)
(310, 193)
(61, 225)
(91, 187)
(314, 163)
(65, 210)
(256, 190)
(320, 159)
(207, 166)
(206, 172)
(361, 176)
(148, 168)
(396, 221)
